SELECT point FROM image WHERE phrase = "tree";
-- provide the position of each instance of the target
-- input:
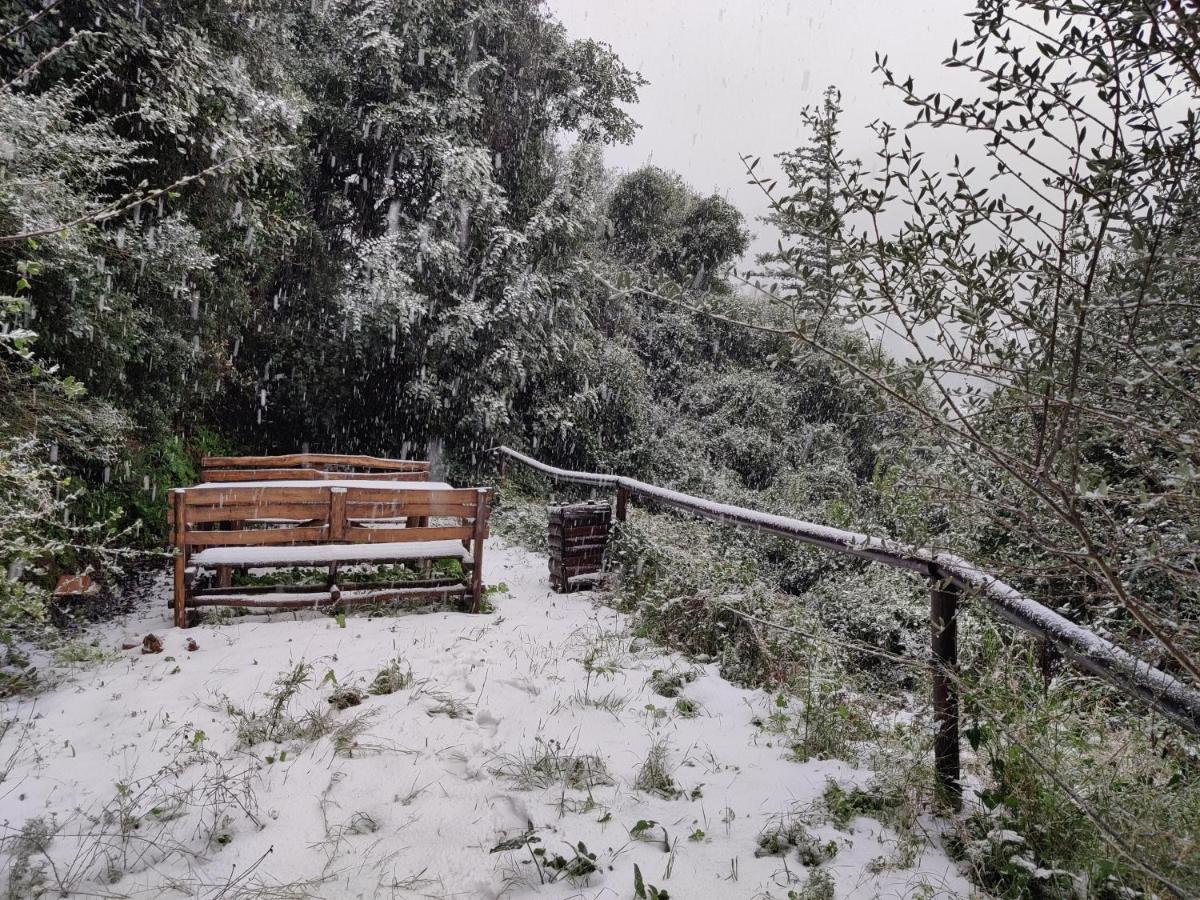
(811, 217)
(1035, 305)
(661, 226)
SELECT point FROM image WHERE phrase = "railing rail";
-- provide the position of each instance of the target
(950, 577)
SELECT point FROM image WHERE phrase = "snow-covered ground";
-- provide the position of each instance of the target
(523, 734)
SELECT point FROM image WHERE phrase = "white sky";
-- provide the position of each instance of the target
(729, 76)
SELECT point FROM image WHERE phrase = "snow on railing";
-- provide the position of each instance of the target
(1088, 650)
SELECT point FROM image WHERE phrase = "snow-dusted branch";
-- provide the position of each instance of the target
(139, 197)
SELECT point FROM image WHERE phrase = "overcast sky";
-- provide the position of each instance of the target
(730, 76)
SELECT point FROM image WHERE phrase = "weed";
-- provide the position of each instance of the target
(550, 764)
(347, 736)
(645, 830)
(654, 777)
(77, 652)
(787, 833)
(611, 702)
(276, 724)
(449, 706)
(686, 708)
(818, 886)
(391, 678)
(643, 891)
(576, 867)
(844, 805)
(670, 683)
(29, 855)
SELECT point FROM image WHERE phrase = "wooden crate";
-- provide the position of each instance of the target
(578, 537)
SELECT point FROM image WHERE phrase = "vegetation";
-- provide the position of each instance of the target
(364, 225)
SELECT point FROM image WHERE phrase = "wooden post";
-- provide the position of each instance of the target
(337, 514)
(943, 619)
(481, 517)
(622, 502)
(178, 508)
(337, 532)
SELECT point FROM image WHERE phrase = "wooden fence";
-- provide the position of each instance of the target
(950, 577)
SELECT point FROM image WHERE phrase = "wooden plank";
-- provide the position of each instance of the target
(234, 475)
(291, 460)
(256, 537)
(405, 510)
(347, 557)
(428, 595)
(324, 588)
(252, 496)
(430, 496)
(298, 512)
(357, 535)
(371, 476)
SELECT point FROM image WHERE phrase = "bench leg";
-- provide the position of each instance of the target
(476, 588)
(180, 592)
(224, 576)
(331, 582)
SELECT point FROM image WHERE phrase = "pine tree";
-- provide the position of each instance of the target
(811, 217)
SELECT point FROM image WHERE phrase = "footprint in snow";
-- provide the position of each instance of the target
(487, 721)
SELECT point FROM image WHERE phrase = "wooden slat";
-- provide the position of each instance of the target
(297, 511)
(370, 476)
(428, 595)
(256, 537)
(314, 459)
(356, 535)
(401, 510)
(448, 496)
(347, 558)
(324, 588)
(261, 474)
(241, 496)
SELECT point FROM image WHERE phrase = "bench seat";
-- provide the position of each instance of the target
(323, 554)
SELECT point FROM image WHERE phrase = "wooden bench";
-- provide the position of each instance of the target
(220, 527)
(311, 467)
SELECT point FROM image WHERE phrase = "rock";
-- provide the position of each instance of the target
(128, 645)
(151, 644)
(191, 645)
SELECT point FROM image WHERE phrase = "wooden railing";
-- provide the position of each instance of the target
(312, 467)
(950, 577)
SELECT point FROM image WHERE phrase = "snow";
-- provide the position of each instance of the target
(419, 803)
(327, 482)
(328, 553)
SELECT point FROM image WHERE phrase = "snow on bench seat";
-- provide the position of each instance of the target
(325, 483)
(320, 554)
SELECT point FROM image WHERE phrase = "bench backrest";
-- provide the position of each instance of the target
(312, 467)
(218, 517)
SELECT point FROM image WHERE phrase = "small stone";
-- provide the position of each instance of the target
(151, 644)
(191, 645)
